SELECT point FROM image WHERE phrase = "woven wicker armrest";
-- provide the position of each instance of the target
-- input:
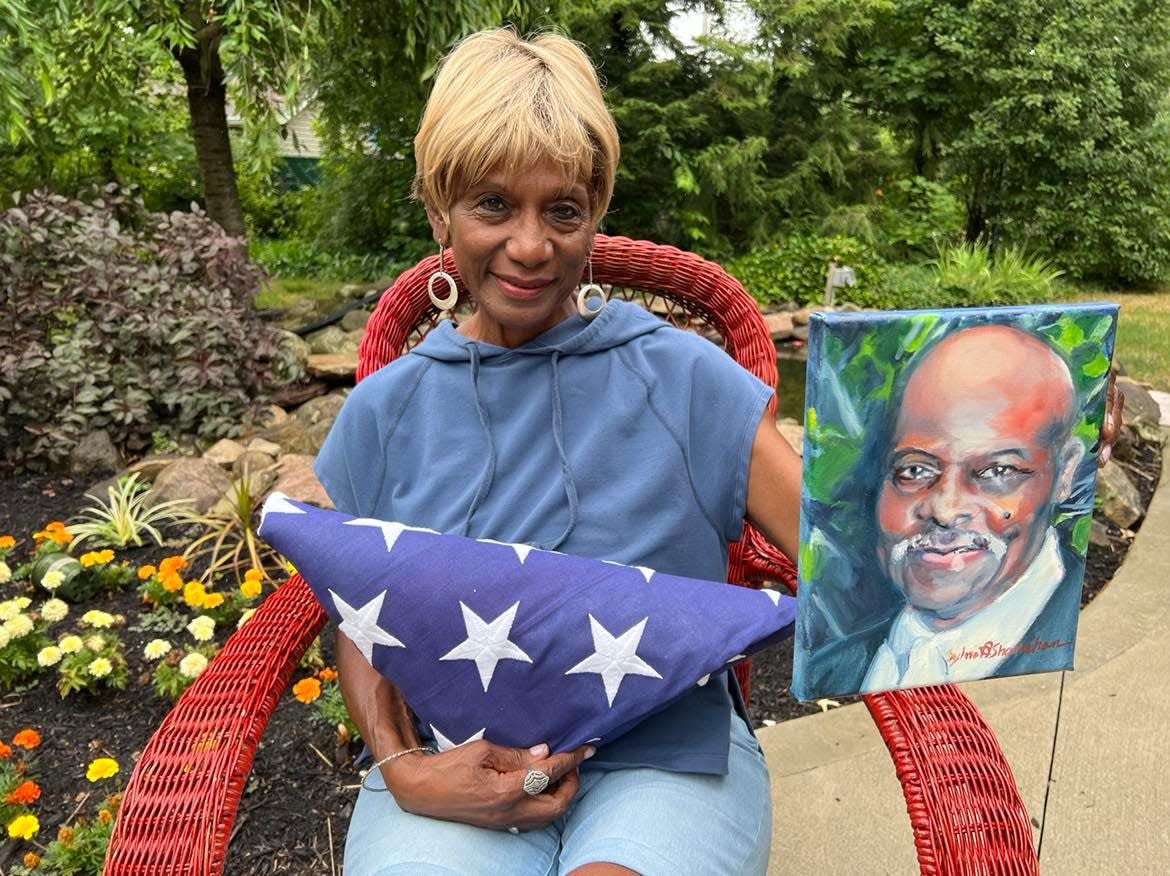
(178, 809)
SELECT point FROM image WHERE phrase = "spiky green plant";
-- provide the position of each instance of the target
(229, 540)
(126, 517)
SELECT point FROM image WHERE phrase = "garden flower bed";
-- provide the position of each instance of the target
(120, 659)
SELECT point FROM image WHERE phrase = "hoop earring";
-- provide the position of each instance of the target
(444, 305)
(588, 304)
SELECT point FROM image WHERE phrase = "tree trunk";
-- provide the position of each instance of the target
(206, 94)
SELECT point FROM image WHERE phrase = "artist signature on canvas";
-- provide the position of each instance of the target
(993, 649)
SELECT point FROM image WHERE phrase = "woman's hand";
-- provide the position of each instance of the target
(1111, 429)
(483, 784)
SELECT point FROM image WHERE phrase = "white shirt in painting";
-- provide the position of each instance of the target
(914, 654)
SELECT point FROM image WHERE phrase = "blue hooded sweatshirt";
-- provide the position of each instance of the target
(619, 439)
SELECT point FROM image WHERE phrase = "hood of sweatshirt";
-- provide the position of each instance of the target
(618, 323)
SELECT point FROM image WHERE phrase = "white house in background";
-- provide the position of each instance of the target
(298, 144)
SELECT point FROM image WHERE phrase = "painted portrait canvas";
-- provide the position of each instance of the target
(950, 462)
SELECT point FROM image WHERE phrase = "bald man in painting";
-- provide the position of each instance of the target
(980, 455)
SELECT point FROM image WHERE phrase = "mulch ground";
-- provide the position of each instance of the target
(297, 803)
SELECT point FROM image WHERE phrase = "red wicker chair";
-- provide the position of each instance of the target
(178, 809)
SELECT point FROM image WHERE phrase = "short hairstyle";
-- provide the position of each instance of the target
(502, 101)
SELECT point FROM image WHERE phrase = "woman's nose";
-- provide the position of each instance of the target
(529, 243)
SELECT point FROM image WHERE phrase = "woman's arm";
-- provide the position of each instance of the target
(773, 500)
(477, 783)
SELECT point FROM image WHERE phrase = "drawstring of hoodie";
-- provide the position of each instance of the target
(489, 472)
(566, 472)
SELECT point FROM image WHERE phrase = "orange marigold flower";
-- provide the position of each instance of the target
(105, 816)
(253, 575)
(327, 675)
(171, 565)
(306, 690)
(31, 860)
(27, 738)
(24, 794)
(5, 751)
(173, 582)
(145, 572)
(64, 835)
(7, 541)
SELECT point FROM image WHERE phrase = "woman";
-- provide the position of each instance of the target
(540, 420)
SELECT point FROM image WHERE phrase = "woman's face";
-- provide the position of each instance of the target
(520, 241)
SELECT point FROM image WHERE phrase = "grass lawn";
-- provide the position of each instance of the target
(1143, 332)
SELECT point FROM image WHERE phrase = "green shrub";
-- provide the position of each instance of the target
(127, 321)
(795, 269)
(915, 217)
(969, 276)
(302, 258)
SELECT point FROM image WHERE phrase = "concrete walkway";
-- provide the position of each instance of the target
(1090, 749)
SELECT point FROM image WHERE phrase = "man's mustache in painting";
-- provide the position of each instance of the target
(942, 540)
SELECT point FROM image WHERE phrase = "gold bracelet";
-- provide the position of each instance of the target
(387, 759)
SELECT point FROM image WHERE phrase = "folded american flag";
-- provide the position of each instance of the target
(504, 642)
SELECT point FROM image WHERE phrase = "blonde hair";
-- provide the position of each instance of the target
(503, 102)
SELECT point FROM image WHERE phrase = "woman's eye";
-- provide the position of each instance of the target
(566, 212)
(492, 203)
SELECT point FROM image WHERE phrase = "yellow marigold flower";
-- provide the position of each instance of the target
(212, 600)
(145, 572)
(23, 827)
(54, 610)
(52, 579)
(6, 542)
(49, 656)
(19, 626)
(95, 643)
(202, 628)
(31, 860)
(22, 602)
(9, 609)
(70, 644)
(156, 648)
(64, 835)
(98, 619)
(92, 558)
(171, 565)
(5, 573)
(4, 637)
(245, 617)
(253, 575)
(307, 689)
(192, 665)
(194, 593)
(101, 768)
(99, 667)
(172, 583)
(28, 739)
(250, 589)
(105, 556)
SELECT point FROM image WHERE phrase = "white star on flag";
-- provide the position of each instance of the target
(773, 595)
(361, 625)
(446, 744)
(647, 572)
(614, 658)
(522, 550)
(487, 643)
(390, 531)
(278, 503)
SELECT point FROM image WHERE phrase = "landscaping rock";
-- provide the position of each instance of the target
(801, 316)
(149, 467)
(298, 393)
(332, 339)
(1120, 501)
(793, 433)
(1099, 534)
(298, 436)
(270, 448)
(800, 332)
(333, 366)
(297, 344)
(194, 478)
(295, 478)
(355, 320)
(224, 452)
(1139, 404)
(322, 408)
(253, 461)
(780, 325)
(95, 454)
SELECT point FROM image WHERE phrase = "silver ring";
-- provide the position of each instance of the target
(515, 831)
(535, 782)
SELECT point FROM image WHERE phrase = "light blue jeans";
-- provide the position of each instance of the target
(651, 821)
